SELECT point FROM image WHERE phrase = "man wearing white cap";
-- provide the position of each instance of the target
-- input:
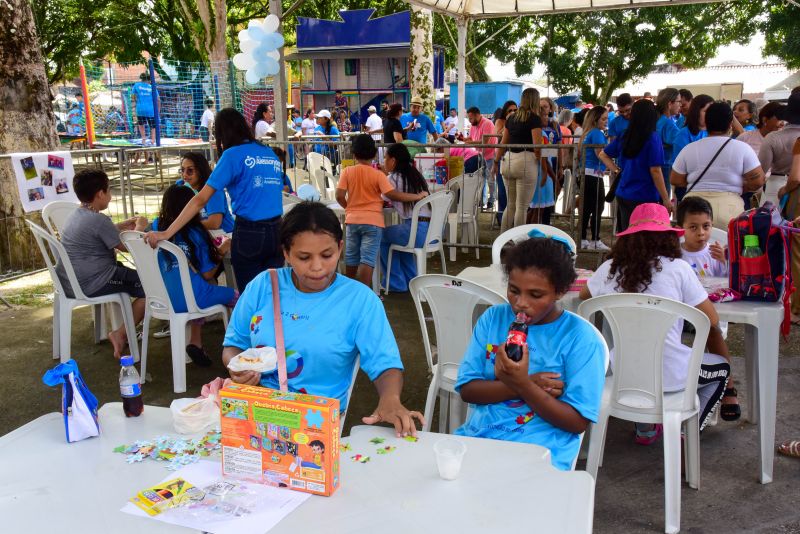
(417, 123)
(374, 127)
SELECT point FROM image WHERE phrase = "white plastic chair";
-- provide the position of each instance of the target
(315, 160)
(639, 325)
(343, 415)
(56, 213)
(53, 252)
(452, 302)
(466, 214)
(519, 233)
(159, 304)
(440, 205)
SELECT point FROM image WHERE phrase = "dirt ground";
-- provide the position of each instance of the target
(629, 495)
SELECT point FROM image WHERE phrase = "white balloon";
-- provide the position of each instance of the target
(255, 30)
(243, 61)
(244, 36)
(248, 46)
(274, 54)
(259, 69)
(271, 23)
(251, 77)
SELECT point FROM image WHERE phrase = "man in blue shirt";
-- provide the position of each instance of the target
(142, 96)
(618, 126)
(418, 124)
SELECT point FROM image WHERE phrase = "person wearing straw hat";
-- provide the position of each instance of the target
(417, 123)
(646, 258)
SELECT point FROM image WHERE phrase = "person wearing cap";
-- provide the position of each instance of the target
(775, 153)
(417, 124)
(327, 126)
(646, 259)
(374, 127)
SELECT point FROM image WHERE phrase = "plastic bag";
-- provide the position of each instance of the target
(193, 416)
(262, 360)
(78, 404)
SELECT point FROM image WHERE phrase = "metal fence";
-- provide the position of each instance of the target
(139, 176)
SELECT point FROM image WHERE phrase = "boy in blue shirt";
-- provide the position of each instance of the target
(620, 123)
(142, 96)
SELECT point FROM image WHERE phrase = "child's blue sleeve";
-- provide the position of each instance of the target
(255, 294)
(473, 367)
(374, 338)
(584, 373)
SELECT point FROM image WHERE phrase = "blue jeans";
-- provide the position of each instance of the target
(361, 244)
(255, 247)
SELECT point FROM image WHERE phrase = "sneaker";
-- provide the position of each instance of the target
(586, 244)
(164, 332)
(599, 245)
(198, 356)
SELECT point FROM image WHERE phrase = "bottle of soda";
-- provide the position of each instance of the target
(130, 388)
(752, 248)
(517, 337)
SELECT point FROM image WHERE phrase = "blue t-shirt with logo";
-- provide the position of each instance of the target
(424, 127)
(253, 176)
(618, 126)
(144, 99)
(205, 293)
(667, 131)
(218, 203)
(594, 137)
(636, 182)
(569, 346)
(323, 333)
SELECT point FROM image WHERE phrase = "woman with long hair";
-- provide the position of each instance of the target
(393, 131)
(194, 172)
(745, 114)
(640, 156)
(520, 166)
(693, 130)
(509, 108)
(668, 104)
(594, 191)
(204, 260)
(262, 117)
(252, 175)
(543, 203)
(406, 179)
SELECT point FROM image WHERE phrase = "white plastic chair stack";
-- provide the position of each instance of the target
(159, 304)
(639, 325)
(53, 252)
(520, 233)
(440, 205)
(320, 170)
(466, 214)
(452, 302)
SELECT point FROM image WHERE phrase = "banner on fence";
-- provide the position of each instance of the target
(43, 177)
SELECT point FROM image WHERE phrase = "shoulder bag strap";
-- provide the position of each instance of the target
(280, 348)
(708, 166)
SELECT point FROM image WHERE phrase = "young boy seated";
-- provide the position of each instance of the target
(91, 241)
(695, 216)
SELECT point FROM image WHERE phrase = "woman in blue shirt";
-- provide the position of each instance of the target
(195, 172)
(668, 104)
(640, 156)
(253, 176)
(328, 321)
(552, 394)
(327, 126)
(543, 202)
(694, 130)
(594, 191)
(204, 265)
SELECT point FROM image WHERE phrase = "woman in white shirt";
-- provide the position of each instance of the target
(261, 121)
(718, 168)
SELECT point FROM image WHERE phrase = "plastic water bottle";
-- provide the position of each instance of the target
(130, 388)
(751, 247)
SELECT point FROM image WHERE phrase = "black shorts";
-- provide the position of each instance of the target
(142, 120)
(124, 280)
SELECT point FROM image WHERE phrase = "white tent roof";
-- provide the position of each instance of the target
(478, 9)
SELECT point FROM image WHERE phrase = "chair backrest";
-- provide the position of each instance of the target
(439, 203)
(452, 302)
(56, 213)
(518, 233)
(343, 415)
(470, 187)
(315, 160)
(639, 327)
(54, 253)
(146, 260)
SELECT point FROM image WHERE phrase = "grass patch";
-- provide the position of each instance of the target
(38, 296)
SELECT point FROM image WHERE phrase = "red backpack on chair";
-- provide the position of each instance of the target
(767, 277)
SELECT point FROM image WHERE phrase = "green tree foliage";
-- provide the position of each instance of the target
(781, 28)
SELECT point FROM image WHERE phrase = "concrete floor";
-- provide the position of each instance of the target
(629, 495)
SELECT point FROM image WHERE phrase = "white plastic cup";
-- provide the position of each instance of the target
(449, 455)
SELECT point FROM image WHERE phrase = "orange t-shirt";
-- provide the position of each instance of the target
(364, 186)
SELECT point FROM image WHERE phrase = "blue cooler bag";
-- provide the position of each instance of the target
(78, 404)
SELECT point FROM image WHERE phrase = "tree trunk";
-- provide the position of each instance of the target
(421, 60)
(27, 124)
(211, 40)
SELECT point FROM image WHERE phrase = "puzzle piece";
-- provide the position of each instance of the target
(377, 441)
(412, 439)
(386, 450)
(121, 448)
(344, 447)
(360, 458)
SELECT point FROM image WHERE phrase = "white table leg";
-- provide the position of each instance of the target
(767, 376)
(751, 362)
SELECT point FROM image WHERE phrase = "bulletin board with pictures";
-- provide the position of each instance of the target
(43, 177)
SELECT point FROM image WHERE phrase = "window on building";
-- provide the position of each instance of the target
(350, 67)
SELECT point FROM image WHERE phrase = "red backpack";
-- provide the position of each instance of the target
(767, 277)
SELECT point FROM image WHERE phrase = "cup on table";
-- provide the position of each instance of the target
(449, 455)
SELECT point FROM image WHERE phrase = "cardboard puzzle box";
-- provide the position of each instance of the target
(280, 438)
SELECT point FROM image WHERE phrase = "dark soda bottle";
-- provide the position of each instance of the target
(517, 337)
(130, 388)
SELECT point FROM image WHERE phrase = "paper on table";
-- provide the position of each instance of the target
(283, 501)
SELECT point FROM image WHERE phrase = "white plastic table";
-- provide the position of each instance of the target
(47, 484)
(761, 322)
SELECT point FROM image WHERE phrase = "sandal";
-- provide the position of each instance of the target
(790, 448)
(730, 412)
(648, 437)
(198, 356)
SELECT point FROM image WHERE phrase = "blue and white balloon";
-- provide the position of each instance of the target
(259, 45)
